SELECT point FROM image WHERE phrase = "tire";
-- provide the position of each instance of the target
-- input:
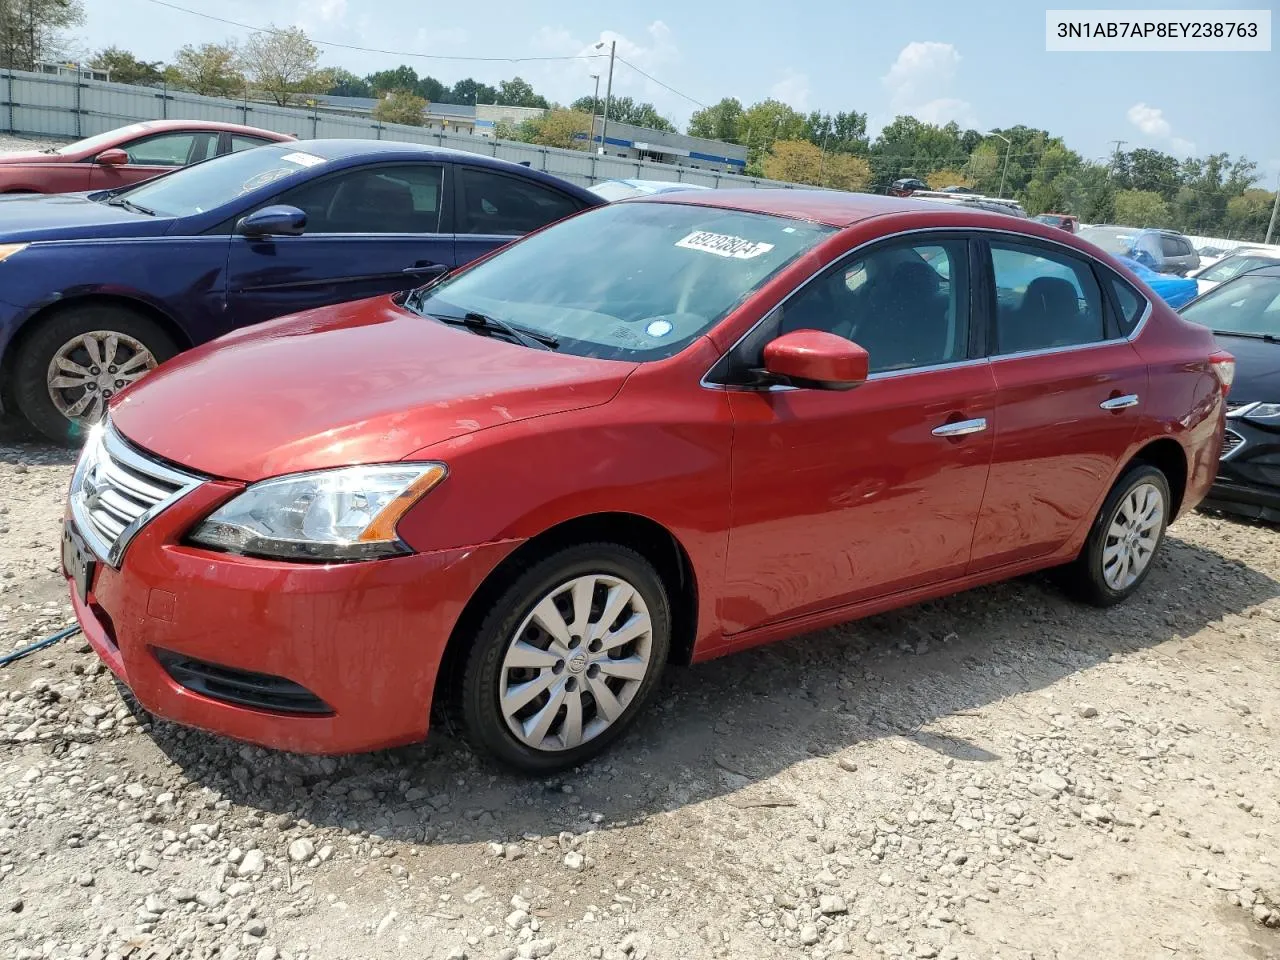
(1096, 575)
(488, 671)
(58, 334)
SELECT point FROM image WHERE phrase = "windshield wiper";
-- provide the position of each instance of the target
(1268, 337)
(482, 321)
(130, 205)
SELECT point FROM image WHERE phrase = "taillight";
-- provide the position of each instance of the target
(1223, 365)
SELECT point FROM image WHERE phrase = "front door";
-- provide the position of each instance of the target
(151, 156)
(844, 496)
(1068, 400)
(370, 231)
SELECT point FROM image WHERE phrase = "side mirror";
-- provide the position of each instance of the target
(115, 157)
(816, 359)
(278, 220)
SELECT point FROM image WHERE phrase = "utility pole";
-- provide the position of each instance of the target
(608, 92)
(1115, 154)
(1275, 209)
(595, 105)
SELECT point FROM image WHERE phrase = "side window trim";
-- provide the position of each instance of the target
(730, 369)
(459, 202)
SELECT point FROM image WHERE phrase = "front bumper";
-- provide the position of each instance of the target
(366, 639)
(1248, 481)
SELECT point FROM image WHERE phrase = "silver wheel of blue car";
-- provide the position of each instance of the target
(91, 368)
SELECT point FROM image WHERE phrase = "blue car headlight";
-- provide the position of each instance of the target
(1267, 414)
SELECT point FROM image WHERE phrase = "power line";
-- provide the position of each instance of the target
(661, 84)
(351, 46)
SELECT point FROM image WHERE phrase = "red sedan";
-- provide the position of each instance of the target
(125, 156)
(664, 429)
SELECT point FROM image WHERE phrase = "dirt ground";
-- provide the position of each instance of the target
(1000, 774)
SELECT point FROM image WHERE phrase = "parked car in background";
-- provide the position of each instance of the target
(1233, 264)
(906, 186)
(665, 429)
(958, 189)
(1175, 291)
(1164, 251)
(1244, 315)
(97, 289)
(625, 189)
(127, 155)
(1063, 221)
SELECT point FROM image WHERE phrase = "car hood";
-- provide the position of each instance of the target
(32, 156)
(1257, 368)
(363, 382)
(26, 217)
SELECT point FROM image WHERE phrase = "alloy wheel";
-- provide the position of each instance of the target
(89, 369)
(1132, 536)
(576, 662)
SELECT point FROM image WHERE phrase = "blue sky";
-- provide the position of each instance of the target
(983, 65)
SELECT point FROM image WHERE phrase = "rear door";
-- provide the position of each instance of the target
(151, 156)
(371, 230)
(493, 208)
(1069, 392)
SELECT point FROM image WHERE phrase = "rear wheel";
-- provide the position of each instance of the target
(1123, 541)
(566, 658)
(78, 359)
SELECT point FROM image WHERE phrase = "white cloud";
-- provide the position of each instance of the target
(1150, 121)
(433, 39)
(792, 89)
(920, 80)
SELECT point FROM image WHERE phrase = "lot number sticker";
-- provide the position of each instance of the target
(723, 245)
(303, 159)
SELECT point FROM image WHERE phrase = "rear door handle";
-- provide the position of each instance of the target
(961, 428)
(1119, 403)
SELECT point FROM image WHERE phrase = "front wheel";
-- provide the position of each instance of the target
(1124, 538)
(566, 658)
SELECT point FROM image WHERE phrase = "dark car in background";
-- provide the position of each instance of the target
(97, 289)
(1164, 251)
(1063, 221)
(1244, 315)
(127, 155)
(906, 186)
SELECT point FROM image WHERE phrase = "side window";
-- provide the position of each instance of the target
(1129, 301)
(240, 142)
(403, 199)
(1044, 299)
(499, 204)
(906, 305)
(1171, 247)
(170, 149)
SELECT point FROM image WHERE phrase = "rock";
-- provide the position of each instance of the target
(1052, 781)
(85, 880)
(300, 851)
(847, 764)
(252, 865)
(508, 953)
(831, 905)
(516, 919)
(457, 953)
(266, 953)
(1029, 834)
(154, 904)
(255, 928)
(535, 948)
(209, 899)
(574, 860)
(1086, 710)
(385, 923)
(147, 862)
(809, 934)
(926, 951)
(13, 906)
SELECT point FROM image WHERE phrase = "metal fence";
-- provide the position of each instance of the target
(69, 107)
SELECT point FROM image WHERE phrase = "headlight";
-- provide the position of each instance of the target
(1264, 413)
(7, 250)
(345, 514)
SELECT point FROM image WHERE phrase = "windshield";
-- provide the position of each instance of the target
(1249, 305)
(1115, 241)
(206, 186)
(1229, 267)
(632, 281)
(101, 141)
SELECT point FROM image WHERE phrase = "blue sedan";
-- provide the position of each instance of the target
(97, 289)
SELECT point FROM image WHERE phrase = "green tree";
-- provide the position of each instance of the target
(282, 63)
(720, 121)
(30, 30)
(566, 129)
(1141, 208)
(518, 93)
(344, 83)
(470, 91)
(1248, 214)
(1151, 170)
(401, 106)
(1089, 193)
(765, 123)
(908, 147)
(210, 69)
(843, 133)
(401, 78)
(124, 67)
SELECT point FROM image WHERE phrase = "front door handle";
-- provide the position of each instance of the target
(426, 269)
(961, 428)
(1119, 403)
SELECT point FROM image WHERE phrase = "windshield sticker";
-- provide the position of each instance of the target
(723, 245)
(264, 178)
(303, 159)
(659, 328)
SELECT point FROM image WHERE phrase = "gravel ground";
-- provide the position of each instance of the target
(9, 143)
(1000, 774)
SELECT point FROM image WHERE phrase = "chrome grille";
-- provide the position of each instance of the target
(116, 491)
(1231, 441)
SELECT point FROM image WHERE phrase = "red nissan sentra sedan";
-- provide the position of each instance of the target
(665, 429)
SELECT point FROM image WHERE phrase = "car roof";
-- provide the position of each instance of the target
(162, 125)
(832, 207)
(352, 149)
